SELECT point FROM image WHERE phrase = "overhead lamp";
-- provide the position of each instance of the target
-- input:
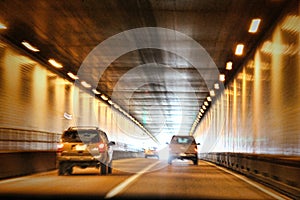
(222, 78)
(216, 86)
(204, 107)
(239, 49)
(2, 26)
(110, 102)
(208, 98)
(30, 47)
(54, 63)
(96, 91)
(212, 93)
(201, 110)
(254, 25)
(116, 106)
(85, 84)
(229, 65)
(105, 98)
(206, 103)
(72, 76)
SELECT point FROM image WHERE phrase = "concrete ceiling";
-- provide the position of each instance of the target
(160, 77)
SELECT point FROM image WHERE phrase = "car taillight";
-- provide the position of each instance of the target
(60, 147)
(102, 147)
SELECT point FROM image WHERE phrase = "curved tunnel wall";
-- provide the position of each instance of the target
(259, 111)
(36, 106)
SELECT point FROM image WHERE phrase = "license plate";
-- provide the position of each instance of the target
(80, 147)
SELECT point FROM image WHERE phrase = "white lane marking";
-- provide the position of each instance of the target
(250, 182)
(119, 188)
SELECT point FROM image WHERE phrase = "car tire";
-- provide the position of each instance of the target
(103, 169)
(195, 161)
(109, 168)
(69, 170)
(61, 170)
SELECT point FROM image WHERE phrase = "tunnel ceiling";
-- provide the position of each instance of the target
(68, 31)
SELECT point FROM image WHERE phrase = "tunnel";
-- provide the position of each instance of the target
(226, 73)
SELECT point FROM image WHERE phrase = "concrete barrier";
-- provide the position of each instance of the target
(17, 163)
(280, 172)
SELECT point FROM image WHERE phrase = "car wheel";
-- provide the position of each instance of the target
(103, 170)
(61, 170)
(70, 171)
(195, 161)
(109, 169)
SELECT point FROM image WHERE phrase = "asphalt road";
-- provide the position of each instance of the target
(139, 178)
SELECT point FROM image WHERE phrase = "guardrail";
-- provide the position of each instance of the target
(278, 171)
(17, 163)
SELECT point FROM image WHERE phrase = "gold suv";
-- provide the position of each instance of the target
(183, 147)
(84, 147)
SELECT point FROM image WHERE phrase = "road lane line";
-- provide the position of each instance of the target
(249, 182)
(119, 188)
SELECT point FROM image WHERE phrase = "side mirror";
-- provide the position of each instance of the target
(111, 143)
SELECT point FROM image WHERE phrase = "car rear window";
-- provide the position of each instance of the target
(85, 136)
(183, 140)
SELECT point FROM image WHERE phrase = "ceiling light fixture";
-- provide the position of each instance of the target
(222, 77)
(212, 93)
(96, 91)
(105, 98)
(229, 65)
(2, 26)
(208, 98)
(54, 63)
(239, 49)
(254, 25)
(206, 103)
(111, 103)
(72, 76)
(85, 84)
(216, 86)
(30, 47)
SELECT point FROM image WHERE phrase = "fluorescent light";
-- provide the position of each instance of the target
(229, 65)
(2, 26)
(54, 63)
(239, 49)
(105, 98)
(30, 47)
(222, 78)
(85, 84)
(70, 74)
(111, 103)
(95, 91)
(254, 25)
(216, 86)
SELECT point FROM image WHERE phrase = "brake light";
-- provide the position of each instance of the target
(102, 147)
(60, 147)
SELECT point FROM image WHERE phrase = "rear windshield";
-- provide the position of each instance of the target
(85, 136)
(183, 140)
